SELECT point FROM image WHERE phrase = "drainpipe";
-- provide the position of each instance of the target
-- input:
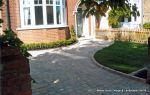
(8, 23)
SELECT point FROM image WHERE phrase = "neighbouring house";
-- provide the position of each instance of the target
(146, 11)
(37, 21)
(130, 22)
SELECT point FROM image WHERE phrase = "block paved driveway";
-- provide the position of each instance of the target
(71, 71)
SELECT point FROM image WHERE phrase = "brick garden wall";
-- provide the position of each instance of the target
(15, 72)
(148, 64)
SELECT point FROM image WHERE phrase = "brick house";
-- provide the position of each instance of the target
(37, 21)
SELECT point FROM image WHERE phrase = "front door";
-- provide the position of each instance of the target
(79, 20)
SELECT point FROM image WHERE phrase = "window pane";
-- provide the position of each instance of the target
(38, 15)
(57, 2)
(23, 1)
(35, 1)
(51, 1)
(129, 19)
(63, 2)
(40, 1)
(47, 1)
(50, 16)
(122, 19)
(26, 2)
(58, 15)
(64, 15)
(27, 16)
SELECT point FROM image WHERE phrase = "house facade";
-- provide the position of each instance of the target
(38, 21)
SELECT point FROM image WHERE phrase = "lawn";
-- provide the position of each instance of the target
(123, 56)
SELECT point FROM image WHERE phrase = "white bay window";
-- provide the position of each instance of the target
(42, 13)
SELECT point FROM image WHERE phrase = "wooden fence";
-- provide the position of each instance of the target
(1, 31)
(134, 35)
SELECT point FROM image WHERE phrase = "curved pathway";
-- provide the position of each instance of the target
(71, 71)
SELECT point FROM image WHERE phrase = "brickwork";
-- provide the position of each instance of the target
(44, 35)
(70, 11)
(15, 72)
(3, 14)
(12, 14)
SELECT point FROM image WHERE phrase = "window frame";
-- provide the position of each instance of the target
(45, 23)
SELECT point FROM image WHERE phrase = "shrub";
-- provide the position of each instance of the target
(72, 32)
(9, 38)
(146, 26)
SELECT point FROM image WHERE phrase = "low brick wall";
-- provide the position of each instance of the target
(15, 73)
(44, 35)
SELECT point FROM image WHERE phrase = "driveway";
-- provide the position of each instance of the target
(71, 71)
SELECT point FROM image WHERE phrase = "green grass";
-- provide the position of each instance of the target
(123, 56)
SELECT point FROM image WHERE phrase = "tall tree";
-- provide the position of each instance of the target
(99, 8)
(115, 17)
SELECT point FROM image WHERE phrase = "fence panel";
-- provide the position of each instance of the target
(134, 35)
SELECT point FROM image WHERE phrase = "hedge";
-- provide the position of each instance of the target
(36, 46)
(146, 26)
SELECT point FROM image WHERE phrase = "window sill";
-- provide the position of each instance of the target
(41, 27)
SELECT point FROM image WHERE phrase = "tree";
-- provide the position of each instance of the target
(116, 16)
(98, 8)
